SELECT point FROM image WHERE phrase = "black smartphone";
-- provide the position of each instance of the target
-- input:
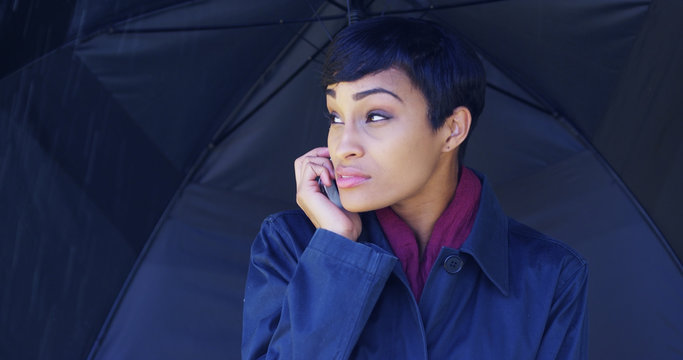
(331, 192)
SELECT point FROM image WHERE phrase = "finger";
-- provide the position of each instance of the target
(303, 162)
(323, 161)
(322, 152)
(311, 171)
(319, 151)
(327, 176)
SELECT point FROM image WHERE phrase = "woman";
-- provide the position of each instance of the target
(421, 262)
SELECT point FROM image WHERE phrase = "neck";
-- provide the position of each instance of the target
(422, 211)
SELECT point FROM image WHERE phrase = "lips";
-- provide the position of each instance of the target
(349, 177)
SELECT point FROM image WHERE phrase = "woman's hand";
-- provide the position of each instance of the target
(319, 209)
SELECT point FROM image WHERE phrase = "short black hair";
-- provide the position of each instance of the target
(445, 68)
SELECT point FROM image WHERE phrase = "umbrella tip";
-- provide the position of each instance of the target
(355, 16)
(355, 10)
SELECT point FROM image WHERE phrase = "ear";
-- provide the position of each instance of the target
(456, 128)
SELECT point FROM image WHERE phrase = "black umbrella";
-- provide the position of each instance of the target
(143, 143)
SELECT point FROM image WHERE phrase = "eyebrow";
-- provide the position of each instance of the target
(360, 95)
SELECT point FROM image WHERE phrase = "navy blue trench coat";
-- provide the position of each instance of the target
(508, 293)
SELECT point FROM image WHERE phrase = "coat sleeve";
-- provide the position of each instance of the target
(309, 301)
(566, 333)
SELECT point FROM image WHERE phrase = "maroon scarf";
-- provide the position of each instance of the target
(451, 230)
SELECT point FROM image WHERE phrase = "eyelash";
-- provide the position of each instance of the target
(382, 116)
(332, 116)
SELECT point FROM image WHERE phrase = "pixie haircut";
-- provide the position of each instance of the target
(445, 69)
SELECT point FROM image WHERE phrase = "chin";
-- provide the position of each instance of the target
(354, 208)
(358, 203)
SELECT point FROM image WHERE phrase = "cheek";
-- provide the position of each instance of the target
(333, 136)
(415, 156)
(401, 169)
(407, 154)
(408, 166)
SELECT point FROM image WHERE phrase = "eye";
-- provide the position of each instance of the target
(376, 117)
(334, 118)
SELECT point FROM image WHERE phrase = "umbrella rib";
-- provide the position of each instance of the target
(317, 18)
(337, 5)
(542, 109)
(309, 42)
(225, 130)
(231, 27)
(435, 7)
(267, 99)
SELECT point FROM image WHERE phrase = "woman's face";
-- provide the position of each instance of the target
(381, 143)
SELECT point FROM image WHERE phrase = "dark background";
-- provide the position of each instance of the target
(141, 144)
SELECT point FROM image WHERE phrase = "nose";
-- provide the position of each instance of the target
(345, 142)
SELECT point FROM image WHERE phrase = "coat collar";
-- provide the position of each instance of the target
(487, 242)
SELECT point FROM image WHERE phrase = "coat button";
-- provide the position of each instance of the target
(453, 264)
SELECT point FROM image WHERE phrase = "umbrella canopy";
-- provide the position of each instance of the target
(143, 142)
